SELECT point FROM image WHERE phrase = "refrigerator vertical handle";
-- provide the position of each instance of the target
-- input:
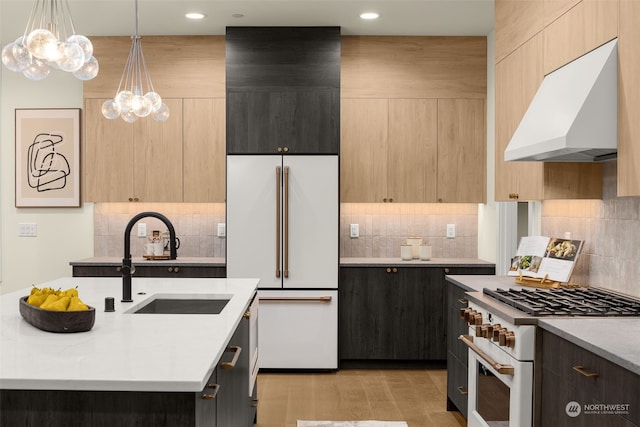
(278, 180)
(286, 221)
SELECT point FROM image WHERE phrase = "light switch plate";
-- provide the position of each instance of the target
(451, 231)
(354, 231)
(222, 229)
(28, 229)
(142, 229)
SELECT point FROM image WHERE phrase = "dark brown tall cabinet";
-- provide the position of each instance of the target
(283, 90)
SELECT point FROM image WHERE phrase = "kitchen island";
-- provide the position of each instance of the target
(129, 369)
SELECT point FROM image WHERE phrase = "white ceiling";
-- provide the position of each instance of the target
(166, 17)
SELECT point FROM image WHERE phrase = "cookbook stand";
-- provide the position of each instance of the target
(537, 282)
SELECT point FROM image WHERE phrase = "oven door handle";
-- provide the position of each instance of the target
(500, 368)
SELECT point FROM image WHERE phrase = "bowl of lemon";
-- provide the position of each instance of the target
(57, 310)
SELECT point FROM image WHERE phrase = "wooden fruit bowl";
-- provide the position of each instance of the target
(57, 321)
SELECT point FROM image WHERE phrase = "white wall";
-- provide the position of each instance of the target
(487, 218)
(64, 234)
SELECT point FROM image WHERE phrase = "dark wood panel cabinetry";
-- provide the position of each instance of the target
(571, 373)
(395, 312)
(160, 270)
(283, 90)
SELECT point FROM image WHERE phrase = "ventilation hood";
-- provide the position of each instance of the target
(574, 115)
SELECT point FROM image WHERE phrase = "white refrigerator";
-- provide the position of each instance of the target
(283, 228)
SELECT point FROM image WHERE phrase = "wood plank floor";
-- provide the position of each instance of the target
(415, 396)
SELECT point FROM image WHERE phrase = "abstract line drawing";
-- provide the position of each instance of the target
(47, 158)
(47, 169)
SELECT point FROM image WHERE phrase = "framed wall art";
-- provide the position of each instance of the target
(47, 157)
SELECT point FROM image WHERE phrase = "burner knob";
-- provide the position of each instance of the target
(479, 331)
(468, 316)
(478, 319)
(487, 330)
(496, 332)
(502, 337)
(511, 340)
(464, 313)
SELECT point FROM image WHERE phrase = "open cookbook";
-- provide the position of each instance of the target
(546, 257)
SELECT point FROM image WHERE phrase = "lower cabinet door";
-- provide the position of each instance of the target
(298, 329)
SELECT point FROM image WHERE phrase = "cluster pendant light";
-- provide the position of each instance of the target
(50, 42)
(135, 96)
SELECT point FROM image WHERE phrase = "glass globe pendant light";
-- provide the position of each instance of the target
(50, 42)
(135, 96)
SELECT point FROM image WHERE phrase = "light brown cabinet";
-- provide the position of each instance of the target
(518, 77)
(140, 161)
(204, 150)
(412, 150)
(179, 160)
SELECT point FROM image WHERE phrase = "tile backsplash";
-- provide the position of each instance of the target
(383, 228)
(611, 229)
(195, 225)
(386, 226)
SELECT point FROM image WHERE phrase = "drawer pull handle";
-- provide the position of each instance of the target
(211, 396)
(582, 371)
(500, 368)
(463, 301)
(295, 299)
(230, 365)
(462, 390)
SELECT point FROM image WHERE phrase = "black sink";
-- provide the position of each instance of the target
(183, 306)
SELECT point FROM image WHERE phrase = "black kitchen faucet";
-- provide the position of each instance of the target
(127, 269)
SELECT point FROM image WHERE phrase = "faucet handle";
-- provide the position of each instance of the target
(131, 269)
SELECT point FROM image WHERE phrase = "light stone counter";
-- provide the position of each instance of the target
(183, 261)
(123, 352)
(433, 262)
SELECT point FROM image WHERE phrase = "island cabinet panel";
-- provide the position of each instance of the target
(283, 90)
(571, 373)
(61, 408)
(164, 270)
(457, 353)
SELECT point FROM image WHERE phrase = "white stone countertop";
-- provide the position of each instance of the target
(616, 339)
(433, 262)
(122, 352)
(180, 260)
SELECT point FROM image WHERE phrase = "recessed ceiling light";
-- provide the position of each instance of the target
(195, 15)
(369, 15)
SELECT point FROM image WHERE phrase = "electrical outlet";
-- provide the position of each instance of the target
(354, 231)
(142, 229)
(451, 231)
(27, 229)
(222, 229)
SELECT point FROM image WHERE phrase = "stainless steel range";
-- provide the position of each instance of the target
(501, 341)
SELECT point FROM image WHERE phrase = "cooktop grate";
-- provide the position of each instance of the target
(567, 302)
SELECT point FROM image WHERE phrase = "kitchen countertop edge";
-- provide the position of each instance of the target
(182, 261)
(433, 262)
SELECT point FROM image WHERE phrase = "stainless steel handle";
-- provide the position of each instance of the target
(581, 370)
(278, 173)
(462, 391)
(211, 396)
(463, 301)
(230, 365)
(500, 368)
(286, 221)
(303, 299)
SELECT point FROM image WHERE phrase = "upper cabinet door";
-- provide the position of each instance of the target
(283, 90)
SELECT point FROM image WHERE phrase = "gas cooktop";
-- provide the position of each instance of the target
(567, 301)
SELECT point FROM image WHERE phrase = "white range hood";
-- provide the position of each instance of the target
(574, 115)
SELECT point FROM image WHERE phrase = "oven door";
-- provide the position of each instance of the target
(500, 387)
